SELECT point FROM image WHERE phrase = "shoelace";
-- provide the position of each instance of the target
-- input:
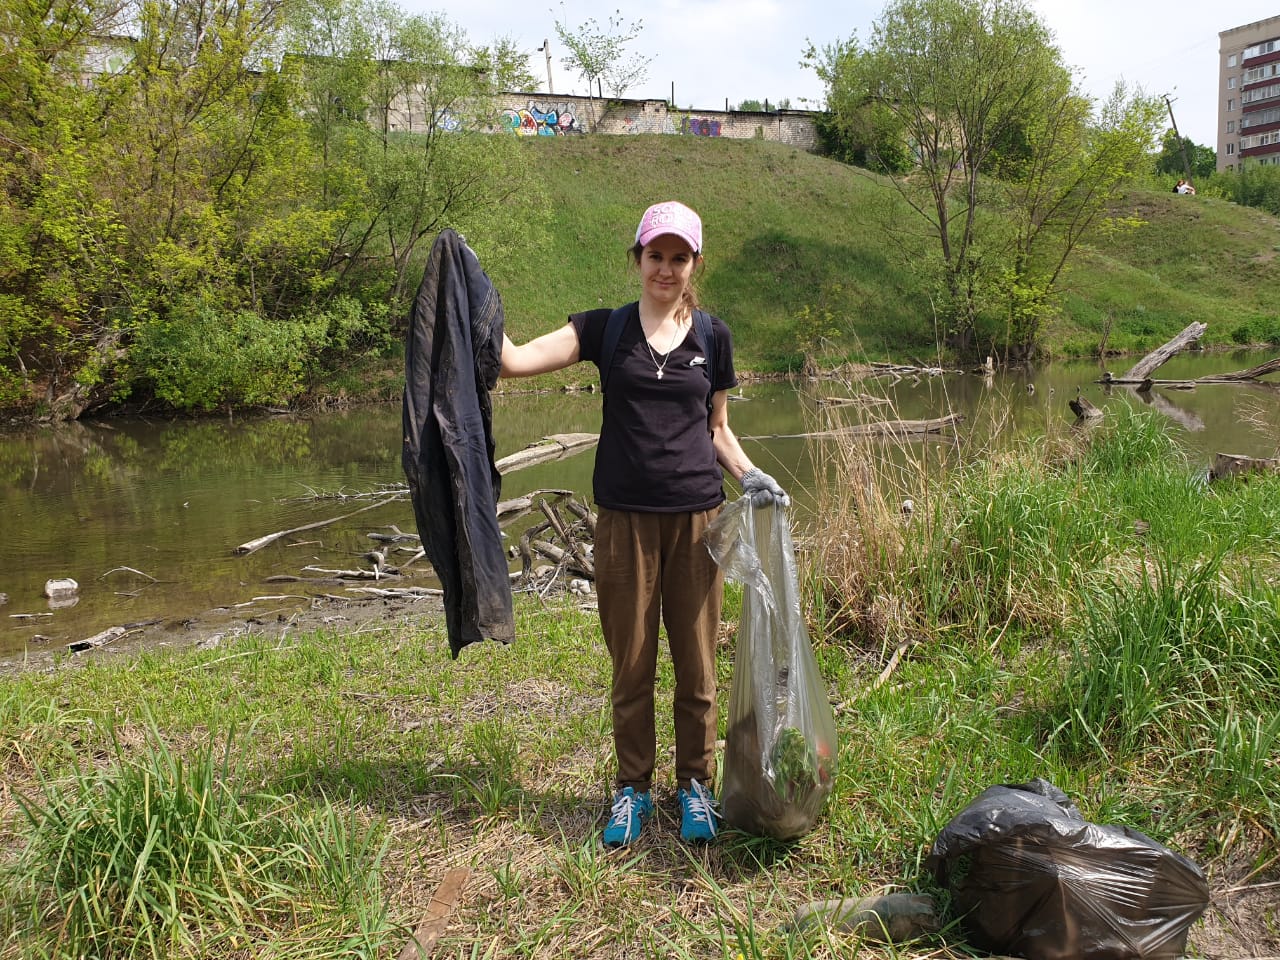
(702, 806)
(622, 812)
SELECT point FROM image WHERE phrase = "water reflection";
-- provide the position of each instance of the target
(146, 514)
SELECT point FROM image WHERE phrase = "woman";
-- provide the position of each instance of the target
(664, 444)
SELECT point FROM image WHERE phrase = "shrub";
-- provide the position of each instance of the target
(201, 356)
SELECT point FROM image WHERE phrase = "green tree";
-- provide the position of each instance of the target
(57, 237)
(1059, 189)
(976, 94)
(408, 153)
(1170, 161)
(598, 54)
(764, 106)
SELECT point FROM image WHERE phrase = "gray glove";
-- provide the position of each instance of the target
(763, 489)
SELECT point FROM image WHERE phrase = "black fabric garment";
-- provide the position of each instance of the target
(453, 355)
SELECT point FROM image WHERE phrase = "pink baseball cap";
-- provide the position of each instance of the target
(674, 218)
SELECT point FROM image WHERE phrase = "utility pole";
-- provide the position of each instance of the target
(546, 48)
(1186, 164)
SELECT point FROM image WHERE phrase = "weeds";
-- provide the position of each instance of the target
(159, 856)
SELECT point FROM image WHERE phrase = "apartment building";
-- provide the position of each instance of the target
(1249, 94)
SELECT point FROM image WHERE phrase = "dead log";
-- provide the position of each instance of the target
(108, 635)
(1230, 464)
(510, 511)
(1142, 369)
(258, 544)
(1253, 373)
(555, 447)
(1083, 409)
(890, 428)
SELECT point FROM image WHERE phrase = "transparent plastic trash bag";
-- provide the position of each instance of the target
(1029, 876)
(780, 745)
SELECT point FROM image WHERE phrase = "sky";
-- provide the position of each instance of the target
(705, 52)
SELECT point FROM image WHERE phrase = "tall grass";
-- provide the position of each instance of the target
(154, 854)
(1124, 590)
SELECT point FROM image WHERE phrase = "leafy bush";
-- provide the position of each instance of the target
(1255, 330)
(200, 356)
(1254, 186)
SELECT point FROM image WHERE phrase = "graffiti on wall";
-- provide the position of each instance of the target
(535, 121)
(448, 122)
(633, 124)
(700, 126)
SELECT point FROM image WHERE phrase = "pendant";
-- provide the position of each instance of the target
(659, 374)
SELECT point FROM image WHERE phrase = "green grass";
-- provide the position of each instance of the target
(172, 804)
(787, 230)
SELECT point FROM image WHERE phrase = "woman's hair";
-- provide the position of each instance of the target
(689, 296)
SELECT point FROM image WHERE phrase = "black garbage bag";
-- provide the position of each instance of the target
(1029, 876)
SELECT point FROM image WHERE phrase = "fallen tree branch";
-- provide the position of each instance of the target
(403, 593)
(1143, 368)
(888, 428)
(260, 542)
(129, 570)
(433, 923)
(357, 574)
(510, 511)
(555, 447)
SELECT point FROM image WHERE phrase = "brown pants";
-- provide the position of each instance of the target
(651, 564)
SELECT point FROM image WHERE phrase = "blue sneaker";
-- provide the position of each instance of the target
(698, 814)
(630, 811)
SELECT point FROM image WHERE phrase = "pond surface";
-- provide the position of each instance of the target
(146, 514)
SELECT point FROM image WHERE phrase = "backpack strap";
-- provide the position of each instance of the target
(707, 339)
(613, 333)
(609, 345)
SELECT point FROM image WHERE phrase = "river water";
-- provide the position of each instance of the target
(146, 514)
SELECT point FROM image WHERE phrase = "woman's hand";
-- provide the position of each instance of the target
(763, 489)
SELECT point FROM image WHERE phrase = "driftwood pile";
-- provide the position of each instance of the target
(555, 550)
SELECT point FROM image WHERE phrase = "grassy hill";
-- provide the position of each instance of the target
(787, 230)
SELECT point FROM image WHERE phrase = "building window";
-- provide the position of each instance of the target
(1231, 105)
(1231, 148)
(1231, 60)
(1231, 126)
(1260, 50)
(1231, 83)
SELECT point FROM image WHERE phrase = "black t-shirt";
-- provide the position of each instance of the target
(655, 453)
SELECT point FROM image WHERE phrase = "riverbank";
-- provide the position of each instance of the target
(1079, 609)
(498, 764)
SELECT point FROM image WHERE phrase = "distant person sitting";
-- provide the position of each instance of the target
(1184, 187)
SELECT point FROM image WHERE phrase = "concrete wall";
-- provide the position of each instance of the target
(544, 115)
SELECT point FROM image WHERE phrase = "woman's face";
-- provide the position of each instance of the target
(666, 266)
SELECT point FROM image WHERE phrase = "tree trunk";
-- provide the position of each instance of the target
(1143, 368)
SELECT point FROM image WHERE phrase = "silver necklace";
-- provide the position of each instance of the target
(666, 356)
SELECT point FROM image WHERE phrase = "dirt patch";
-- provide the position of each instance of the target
(222, 625)
(1243, 919)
